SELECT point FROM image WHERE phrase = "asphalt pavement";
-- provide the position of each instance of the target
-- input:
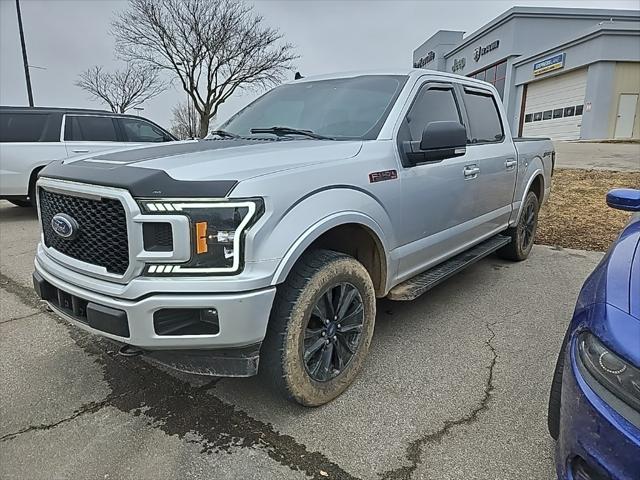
(455, 386)
(617, 156)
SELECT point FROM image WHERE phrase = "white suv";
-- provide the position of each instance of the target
(32, 137)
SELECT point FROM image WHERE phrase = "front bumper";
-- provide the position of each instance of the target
(593, 436)
(242, 317)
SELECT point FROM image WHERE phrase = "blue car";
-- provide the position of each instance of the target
(594, 406)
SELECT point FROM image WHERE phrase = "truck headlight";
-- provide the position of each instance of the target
(614, 373)
(217, 233)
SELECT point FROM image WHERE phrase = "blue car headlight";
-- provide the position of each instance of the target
(614, 373)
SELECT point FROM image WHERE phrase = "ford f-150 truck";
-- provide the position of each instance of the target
(265, 245)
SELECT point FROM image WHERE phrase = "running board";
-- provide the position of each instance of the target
(416, 286)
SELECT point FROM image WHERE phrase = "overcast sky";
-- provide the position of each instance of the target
(68, 36)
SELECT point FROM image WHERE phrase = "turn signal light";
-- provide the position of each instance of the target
(201, 237)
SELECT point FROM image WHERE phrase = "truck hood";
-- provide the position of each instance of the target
(234, 159)
(202, 169)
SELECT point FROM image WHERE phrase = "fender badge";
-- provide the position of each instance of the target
(382, 176)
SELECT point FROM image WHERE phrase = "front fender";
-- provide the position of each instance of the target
(316, 231)
(300, 225)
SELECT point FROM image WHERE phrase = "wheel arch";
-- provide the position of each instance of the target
(352, 233)
(535, 184)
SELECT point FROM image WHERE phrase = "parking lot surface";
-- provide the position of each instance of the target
(455, 386)
(622, 157)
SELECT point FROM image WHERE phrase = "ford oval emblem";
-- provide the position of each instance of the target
(64, 226)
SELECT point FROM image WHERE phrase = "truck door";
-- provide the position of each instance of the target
(437, 204)
(490, 148)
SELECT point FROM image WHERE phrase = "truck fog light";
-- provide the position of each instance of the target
(186, 321)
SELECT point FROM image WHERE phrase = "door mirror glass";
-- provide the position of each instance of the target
(440, 140)
(626, 199)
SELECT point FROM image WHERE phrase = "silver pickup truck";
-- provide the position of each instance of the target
(265, 246)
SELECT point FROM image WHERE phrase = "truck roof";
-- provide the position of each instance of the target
(410, 72)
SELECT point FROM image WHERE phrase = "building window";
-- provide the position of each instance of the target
(569, 111)
(495, 75)
(546, 115)
(528, 118)
(579, 109)
(557, 113)
(537, 116)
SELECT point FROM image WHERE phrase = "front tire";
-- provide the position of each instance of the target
(555, 394)
(524, 233)
(320, 329)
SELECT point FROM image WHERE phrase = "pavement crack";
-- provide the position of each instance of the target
(22, 317)
(415, 449)
(91, 407)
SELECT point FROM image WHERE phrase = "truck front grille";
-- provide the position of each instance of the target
(101, 237)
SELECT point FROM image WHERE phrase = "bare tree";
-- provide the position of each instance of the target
(214, 47)
(122, 89)
(186, 121)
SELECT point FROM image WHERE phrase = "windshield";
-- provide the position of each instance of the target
(342, 108)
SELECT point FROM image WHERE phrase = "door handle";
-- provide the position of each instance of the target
(80, 150)
(471, 171)
(510, 164)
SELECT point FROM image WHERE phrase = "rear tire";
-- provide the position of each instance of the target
(524, 233)
(320, 328)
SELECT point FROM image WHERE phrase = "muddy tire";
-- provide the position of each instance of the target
(320, 328)
(524, 233)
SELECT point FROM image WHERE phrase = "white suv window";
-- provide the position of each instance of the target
(90, 128)
(141, 131)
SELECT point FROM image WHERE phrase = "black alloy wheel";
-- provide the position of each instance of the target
(333, 332)
(527, 226)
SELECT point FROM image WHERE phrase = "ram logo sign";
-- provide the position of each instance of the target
(549, 64)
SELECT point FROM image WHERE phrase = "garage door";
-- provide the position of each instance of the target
(554, 106)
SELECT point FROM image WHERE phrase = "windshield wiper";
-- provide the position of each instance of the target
(283, 131)
(224, 134)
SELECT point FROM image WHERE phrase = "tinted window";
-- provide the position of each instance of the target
(537, 116)
(528, 118)
(431, 105)
(569, 111)
(579, 109)
(90, 129)
(342, 108)
(22, 127)
(484, 119)
(490, 75)
(141, 131)
(546, 115)
(557, 113)
(500, 87)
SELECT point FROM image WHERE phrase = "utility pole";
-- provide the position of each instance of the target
(24, 55)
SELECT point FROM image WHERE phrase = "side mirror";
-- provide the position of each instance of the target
(439, 140)
(624, 199)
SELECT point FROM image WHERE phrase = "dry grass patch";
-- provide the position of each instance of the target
(577, 216)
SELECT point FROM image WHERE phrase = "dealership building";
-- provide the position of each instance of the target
(564, 73)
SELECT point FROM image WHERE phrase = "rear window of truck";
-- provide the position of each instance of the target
(485, 125)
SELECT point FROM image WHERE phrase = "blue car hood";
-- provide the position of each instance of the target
(616, 279)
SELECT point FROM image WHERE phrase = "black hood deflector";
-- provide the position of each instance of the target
(118, 170)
